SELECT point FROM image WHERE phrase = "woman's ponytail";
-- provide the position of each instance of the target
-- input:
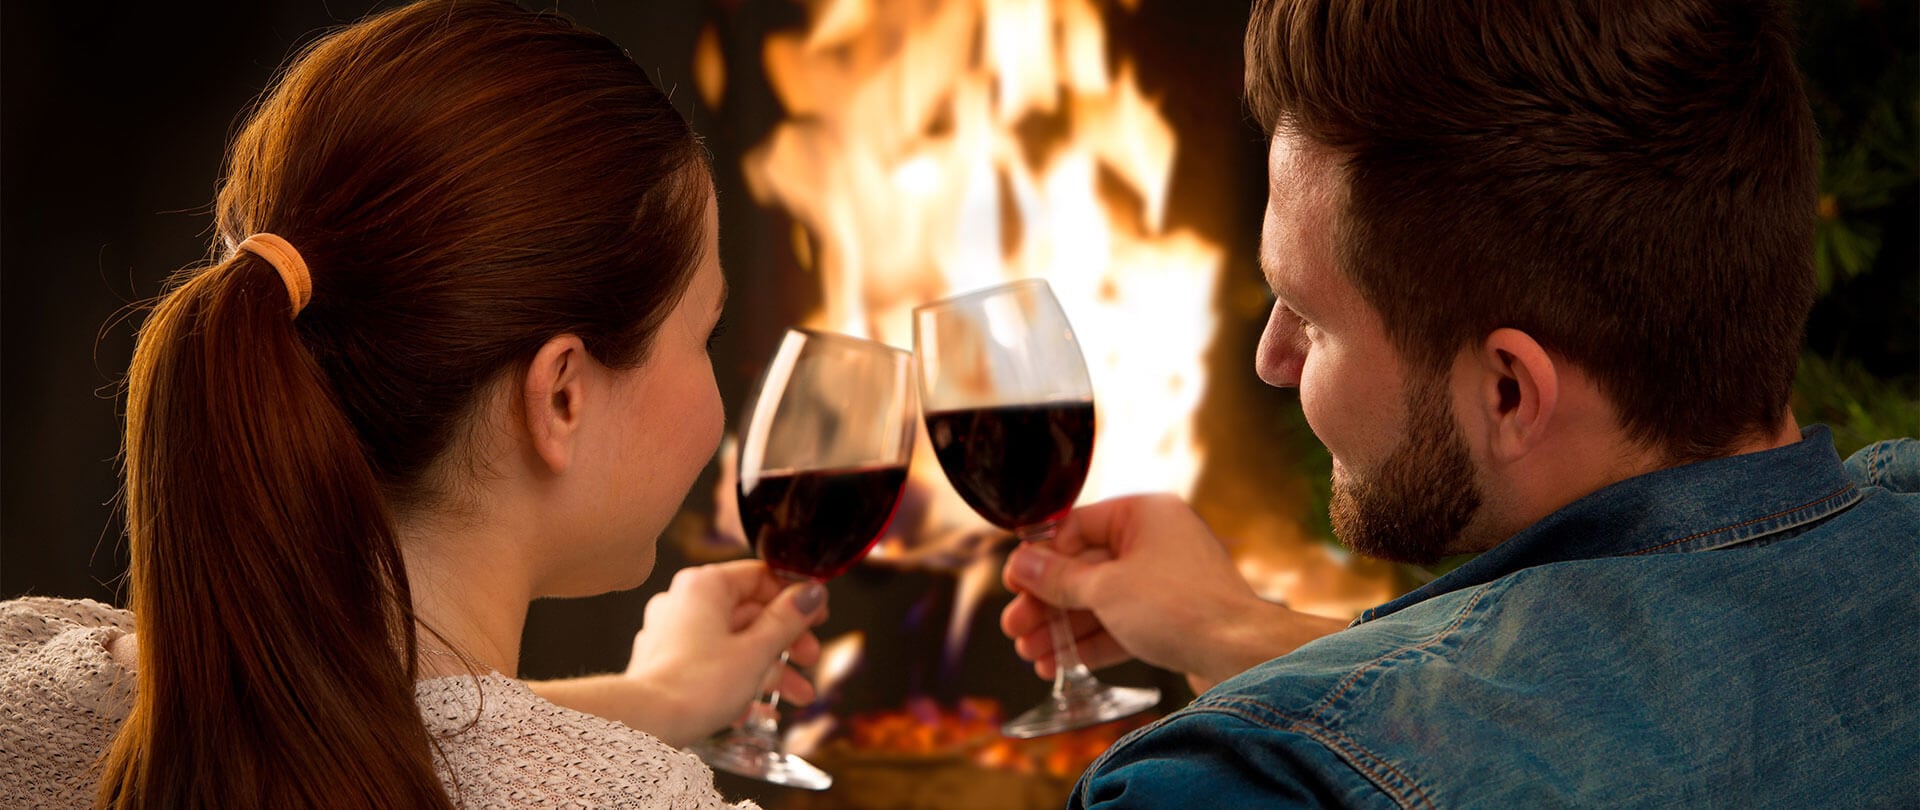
(267, 587)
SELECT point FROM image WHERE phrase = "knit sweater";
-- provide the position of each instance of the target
(62, 697)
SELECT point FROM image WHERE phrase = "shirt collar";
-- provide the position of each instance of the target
(1694, 507)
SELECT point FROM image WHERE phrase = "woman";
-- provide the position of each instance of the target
(450, 356)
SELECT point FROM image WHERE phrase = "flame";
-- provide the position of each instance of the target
(709, 67)
(802, 737)
(982, 573)
(934, 147)
(838, 658)
(931, 147)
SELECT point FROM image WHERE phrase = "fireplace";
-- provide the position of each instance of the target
(871, 156)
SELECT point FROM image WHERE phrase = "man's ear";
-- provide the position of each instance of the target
(1517, 388)
(552, 394)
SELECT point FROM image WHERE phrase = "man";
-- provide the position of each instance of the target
(1541, 271)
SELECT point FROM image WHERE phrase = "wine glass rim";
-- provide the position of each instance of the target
(842, 337)
(987, 291)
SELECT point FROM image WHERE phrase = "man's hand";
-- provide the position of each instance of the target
(705, 651)
(1143, 577)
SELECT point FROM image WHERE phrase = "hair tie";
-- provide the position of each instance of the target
(293, 269)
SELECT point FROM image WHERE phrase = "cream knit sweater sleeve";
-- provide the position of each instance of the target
(61, 698)
(500, 745)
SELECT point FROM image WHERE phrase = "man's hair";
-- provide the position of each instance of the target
(1632, 184)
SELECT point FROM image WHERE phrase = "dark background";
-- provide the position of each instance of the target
(116, 118)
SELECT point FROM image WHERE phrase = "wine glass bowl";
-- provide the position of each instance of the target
(1018, 466)
(816, 524)
(823, 462)
(1009, 411)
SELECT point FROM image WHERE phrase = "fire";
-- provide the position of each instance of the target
(935, 147)
(972, 729)
(838, 658)
(931, 147)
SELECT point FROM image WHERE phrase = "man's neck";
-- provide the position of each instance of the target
(1583, 466)
(1785, 433)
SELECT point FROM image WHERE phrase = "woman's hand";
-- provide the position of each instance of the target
(705, 652)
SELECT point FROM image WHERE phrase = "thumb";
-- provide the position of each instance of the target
(791, 613)
(1056, 579)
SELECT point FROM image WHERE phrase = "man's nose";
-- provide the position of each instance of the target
(1279, 358)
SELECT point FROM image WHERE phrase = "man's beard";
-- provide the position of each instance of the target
(1415, 504)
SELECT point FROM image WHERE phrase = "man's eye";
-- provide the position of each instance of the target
(1303, 331)
(713, 338)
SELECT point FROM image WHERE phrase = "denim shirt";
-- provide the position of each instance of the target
(1739, 632)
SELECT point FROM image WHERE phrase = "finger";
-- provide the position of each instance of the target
(735, 580)
(1079, 623)
(1054, 578)
(790, 683)
(1101, 650)
(795, 688)
(744, 614)
(1035, 617)
(1023, 615)
(1092, 525)
(1026, 615)
(768, 587)
(793, 613)
(805, 651)
(1097, 652)
(1037, 646)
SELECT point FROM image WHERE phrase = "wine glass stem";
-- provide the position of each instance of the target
(762, 723)
(1071, 678)
(1070, 675)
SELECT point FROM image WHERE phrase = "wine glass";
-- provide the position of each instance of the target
(1009, 409)
(823, 461)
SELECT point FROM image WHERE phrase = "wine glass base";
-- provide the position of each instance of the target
(1079, 711)
(745, 757)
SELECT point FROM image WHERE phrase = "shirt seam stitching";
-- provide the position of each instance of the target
(1085, 783)
(1397, 787)
(1697, 535)
(1339, 690)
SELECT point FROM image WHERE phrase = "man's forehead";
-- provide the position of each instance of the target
(1306, 182)
(1298, 165)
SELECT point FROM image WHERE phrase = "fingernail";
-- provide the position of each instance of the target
(1029, 565)
(811, 596)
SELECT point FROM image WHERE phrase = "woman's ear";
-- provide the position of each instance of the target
(553, 393)
(1517, 388)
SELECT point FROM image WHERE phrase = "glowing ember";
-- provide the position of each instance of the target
(972, 729)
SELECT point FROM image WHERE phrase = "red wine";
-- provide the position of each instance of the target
(819, 523)
(1019, 465)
